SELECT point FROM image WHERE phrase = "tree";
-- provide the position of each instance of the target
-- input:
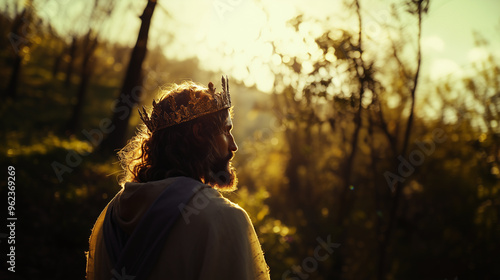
(89, 46)
(57, 49)
(19, 38)
(417, 8)
(334, 123)
(71, 55)
(99, 13)
(131, 89)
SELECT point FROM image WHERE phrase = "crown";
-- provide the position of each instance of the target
(197, 107)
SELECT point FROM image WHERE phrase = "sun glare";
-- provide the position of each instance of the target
(253, 40)
(244, 38)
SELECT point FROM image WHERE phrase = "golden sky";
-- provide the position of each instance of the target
(235, 36)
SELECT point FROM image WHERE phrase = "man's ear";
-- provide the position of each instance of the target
(197, 132)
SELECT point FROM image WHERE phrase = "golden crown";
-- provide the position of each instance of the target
(197, 107)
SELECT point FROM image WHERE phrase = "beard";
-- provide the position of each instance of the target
(222, 175)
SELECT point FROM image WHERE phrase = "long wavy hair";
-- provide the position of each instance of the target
(174, 151)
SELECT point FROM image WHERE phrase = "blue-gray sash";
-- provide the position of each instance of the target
(136, 254)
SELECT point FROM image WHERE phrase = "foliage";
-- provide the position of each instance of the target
(343, 101)
(299, 178)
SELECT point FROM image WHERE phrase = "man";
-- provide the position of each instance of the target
(169, 221)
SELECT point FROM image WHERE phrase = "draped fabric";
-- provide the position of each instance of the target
(137, 254)
(211, 238)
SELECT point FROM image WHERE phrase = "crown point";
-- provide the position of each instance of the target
(211, 87)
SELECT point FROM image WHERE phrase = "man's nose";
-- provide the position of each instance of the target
(232, 144)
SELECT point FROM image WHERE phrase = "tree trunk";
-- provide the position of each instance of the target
(59, 55)
(17, 38)
(89, 48)
(345, 195)
(421, 8)
(11, 91)
(131, 90)
(71, 62)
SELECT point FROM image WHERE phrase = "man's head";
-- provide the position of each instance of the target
(188, 133)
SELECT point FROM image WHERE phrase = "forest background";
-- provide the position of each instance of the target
(363, 128)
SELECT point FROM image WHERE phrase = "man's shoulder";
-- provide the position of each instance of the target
(218, 203)
(208, 206)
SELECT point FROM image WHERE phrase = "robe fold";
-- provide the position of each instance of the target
(176, 228)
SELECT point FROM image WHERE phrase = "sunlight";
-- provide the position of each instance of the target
(244, 38)
(45, 145)
(477, 54)
(442, 68)
(227, 36)
(321, 115)
(433, 43)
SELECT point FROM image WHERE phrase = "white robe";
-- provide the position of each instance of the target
(212, 239)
